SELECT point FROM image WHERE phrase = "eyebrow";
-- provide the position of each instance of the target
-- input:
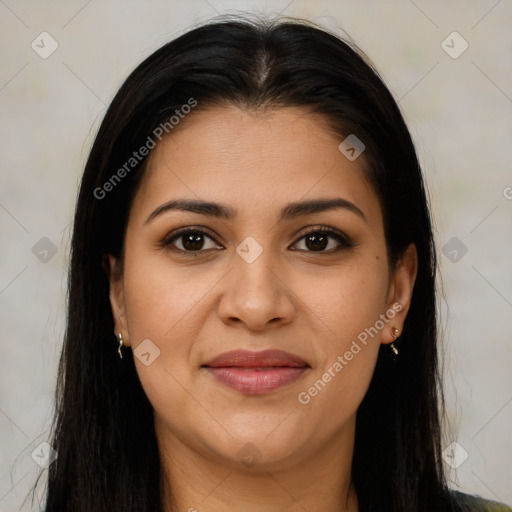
(290, 211)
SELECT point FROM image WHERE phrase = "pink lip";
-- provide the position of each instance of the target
(256, 373)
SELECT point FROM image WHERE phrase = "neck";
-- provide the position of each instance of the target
(317, 482)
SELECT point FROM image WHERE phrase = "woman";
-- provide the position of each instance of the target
(252, 320)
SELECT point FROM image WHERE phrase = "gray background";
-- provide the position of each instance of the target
(459, 112)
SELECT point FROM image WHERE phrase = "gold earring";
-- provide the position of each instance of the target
(121, 341)
(394, 333)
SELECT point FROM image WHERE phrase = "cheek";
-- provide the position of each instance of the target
(161, 297)
(348, 306)
(345, 300)
(163, 305)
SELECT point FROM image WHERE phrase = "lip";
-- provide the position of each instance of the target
(261, 359)
(256, 373)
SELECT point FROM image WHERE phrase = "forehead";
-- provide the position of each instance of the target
(255, 161)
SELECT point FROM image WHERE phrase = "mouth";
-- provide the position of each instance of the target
(256, 373)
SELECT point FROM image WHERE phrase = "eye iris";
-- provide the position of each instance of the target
(316, 241)
(192, 241)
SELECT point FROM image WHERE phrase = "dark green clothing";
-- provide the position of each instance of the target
(471, 503)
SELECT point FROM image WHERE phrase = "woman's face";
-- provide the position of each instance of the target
(256, 281)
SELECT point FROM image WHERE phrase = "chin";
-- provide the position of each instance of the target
(256, 451)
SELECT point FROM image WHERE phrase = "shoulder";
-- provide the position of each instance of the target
(471, 503)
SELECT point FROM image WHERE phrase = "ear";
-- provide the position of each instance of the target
(112, 268)
(400, 293)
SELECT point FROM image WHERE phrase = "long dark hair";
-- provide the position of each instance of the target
(103, 430)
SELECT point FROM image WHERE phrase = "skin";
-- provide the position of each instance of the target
(312, 303)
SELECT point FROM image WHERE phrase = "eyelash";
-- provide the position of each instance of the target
(342, 239)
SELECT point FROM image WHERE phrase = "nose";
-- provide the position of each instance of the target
(257, 294)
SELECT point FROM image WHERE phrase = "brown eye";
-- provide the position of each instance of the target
(318, 239)
(189, 241)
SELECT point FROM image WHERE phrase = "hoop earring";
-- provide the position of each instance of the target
(121, 341)
(394, 351)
